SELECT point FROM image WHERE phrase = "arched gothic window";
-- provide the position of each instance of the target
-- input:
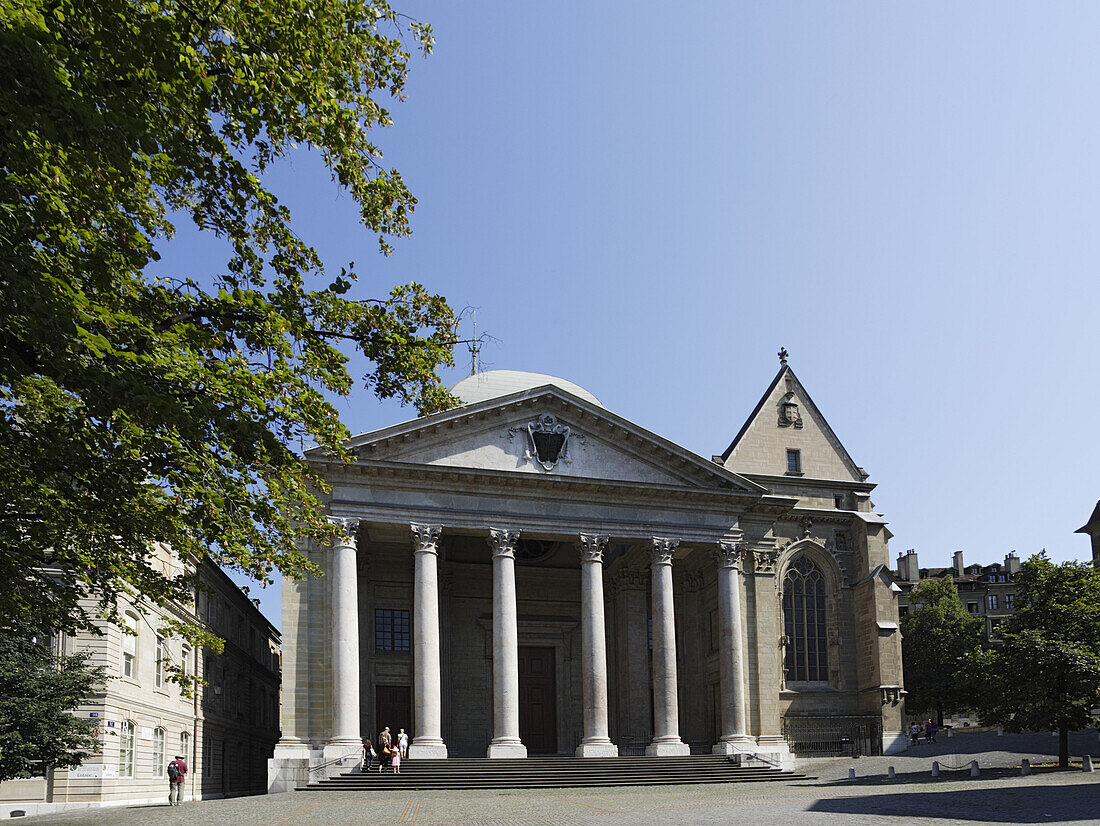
(806, 657)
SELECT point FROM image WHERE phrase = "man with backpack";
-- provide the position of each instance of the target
(177, 774)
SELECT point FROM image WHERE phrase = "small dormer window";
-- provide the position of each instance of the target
(794, 461)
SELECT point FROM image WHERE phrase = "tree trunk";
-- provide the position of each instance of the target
(1063, 746)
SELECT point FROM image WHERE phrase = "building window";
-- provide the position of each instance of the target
(972, 607)
(126, 749)
(158, 752)
(1010, 602)
(185, 661)
(158, 664)
(794, 461)
(991, 602)
(207, 756)
(391, 630)
(185, 744)
(805, 659)
(129, 644)
(902, 610)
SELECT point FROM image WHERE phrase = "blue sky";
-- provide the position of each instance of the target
(651, 199)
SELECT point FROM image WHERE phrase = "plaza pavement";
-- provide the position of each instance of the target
(999, 795)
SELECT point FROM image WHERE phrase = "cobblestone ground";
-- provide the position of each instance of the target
(998, 795)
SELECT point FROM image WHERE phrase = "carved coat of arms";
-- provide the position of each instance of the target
(548, 440)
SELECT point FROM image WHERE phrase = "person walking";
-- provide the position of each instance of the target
(369, 755)
(914, 733)
(177, 774)
(385, 743)
(403, 743)
(930, 729)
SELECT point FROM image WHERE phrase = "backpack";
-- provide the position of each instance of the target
(174, 772)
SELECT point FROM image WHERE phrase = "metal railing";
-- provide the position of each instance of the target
(827, 736)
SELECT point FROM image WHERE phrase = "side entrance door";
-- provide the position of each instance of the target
(538, 716)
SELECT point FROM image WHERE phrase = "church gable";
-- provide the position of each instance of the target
(550, 433)
(787, 421)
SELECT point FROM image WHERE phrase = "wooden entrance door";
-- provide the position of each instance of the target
(538, 715)
(393, 708)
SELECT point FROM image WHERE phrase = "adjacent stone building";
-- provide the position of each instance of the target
(531, 573)
(227, 731)
(987, 591)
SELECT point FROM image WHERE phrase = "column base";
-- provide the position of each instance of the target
(601, 747)
(737, 744)
(427, 748)
(668, 747)
(505, 749)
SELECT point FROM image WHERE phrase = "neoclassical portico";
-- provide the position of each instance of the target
(532, 574)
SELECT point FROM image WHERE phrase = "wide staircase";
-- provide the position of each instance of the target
(552, 773)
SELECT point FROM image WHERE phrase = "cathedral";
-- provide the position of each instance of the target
(530, 573)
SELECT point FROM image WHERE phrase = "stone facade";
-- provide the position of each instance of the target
(986, 591)
(590, 588)
(226, 731)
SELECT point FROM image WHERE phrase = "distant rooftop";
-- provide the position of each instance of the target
(495, 383)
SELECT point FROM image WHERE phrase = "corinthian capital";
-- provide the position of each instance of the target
(425, 538)
(347, 529)
(503, 541)
(592, 546)
(730, 554)
(662, 550)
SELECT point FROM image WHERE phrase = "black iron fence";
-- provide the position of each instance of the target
(825, 736)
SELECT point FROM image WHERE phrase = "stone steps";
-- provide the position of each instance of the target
(552, 772)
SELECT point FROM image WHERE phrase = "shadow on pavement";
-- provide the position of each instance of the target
(1040, 804)
(924, 777)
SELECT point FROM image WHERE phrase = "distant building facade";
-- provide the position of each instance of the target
(986, 591)
(226, 731)
(530, 573)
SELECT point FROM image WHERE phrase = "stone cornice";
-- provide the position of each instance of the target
(616, 429)
(771, 481)
(545, 486)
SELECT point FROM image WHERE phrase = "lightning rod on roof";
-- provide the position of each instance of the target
(474, 347)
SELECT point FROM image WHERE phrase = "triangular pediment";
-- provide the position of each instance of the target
(549, 432)
(786, 419)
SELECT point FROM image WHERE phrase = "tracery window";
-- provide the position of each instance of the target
(806, 656)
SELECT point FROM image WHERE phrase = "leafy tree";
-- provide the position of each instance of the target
(37, 693)
(139, 408)
(1045, 673)
(937, 634)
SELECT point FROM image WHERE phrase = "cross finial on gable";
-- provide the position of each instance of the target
(783, 356)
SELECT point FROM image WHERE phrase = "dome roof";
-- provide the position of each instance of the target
(495, 383)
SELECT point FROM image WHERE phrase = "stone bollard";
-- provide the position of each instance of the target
(1000, 731)
(890, 773)
(1086, 763)
(974, 771)
(1025, 767)
(935, 768)
(851, 774)
(951, 732)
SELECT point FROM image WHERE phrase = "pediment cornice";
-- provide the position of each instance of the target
(695, 471)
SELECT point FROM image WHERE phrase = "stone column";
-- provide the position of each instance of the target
(666, 722)
(505, 742)
(769, 664)
(731, 654)
(596, 743)
(427, 685)
(346, 738)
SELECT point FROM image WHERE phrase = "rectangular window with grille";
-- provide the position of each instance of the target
(391, 629)
(991, 602)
